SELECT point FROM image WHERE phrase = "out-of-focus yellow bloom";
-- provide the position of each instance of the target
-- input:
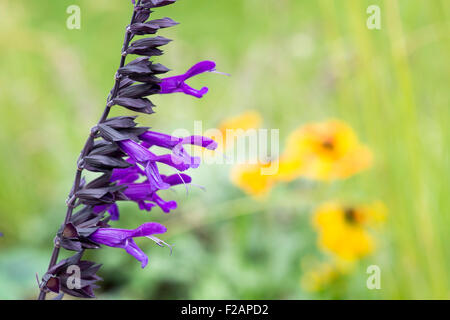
(321, 151)
(290, 168)
(238, 125)
(319, 275)
(249, 178)
(343, 230)
(229, 130)
(324, 151)
(247, 120)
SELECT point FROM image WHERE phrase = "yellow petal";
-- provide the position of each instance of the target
(250, 179)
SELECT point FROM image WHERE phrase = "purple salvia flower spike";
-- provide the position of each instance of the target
(119, 148)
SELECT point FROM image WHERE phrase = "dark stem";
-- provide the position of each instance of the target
(76, 185)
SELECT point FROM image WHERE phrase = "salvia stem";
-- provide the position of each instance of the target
(85, 150)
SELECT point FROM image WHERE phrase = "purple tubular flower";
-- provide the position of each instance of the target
(146, 206)
(152, 138)
(124, 176)
(146, 158)
(142, 193)
(176, 179)
(152, 173)
(123, 238)
(112, 209)
(177, 163)
(137, 152)
(178, 84)
(144, 164)
(180, 158)
(166, 206)
(139, 191)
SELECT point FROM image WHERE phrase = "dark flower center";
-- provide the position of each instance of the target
(328, 144)
(53, 284)
(350, 215)
(70, 231)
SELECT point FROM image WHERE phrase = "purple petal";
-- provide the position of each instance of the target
(176, 179)
(148, 229)
(136, 151)
(186, 89)
(200, 67)
(154, 178)
(117, 238)
(132, 249)
(177, 83)
(100, 209)
(159, 139)
(127, 175)
(166, 206)
(201, 141)
(147, 206)
(180, 155)
(139, 191)
(111, 237)
(114, 212)
(173, 161)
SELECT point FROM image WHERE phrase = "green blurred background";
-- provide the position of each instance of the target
(293, 61)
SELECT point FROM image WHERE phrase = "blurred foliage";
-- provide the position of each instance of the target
(294, 62)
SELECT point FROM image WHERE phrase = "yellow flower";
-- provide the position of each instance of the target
(249, 178)
(343, 230)
(324, 151)
(319, 275)
(247, 120)
(316, 279)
